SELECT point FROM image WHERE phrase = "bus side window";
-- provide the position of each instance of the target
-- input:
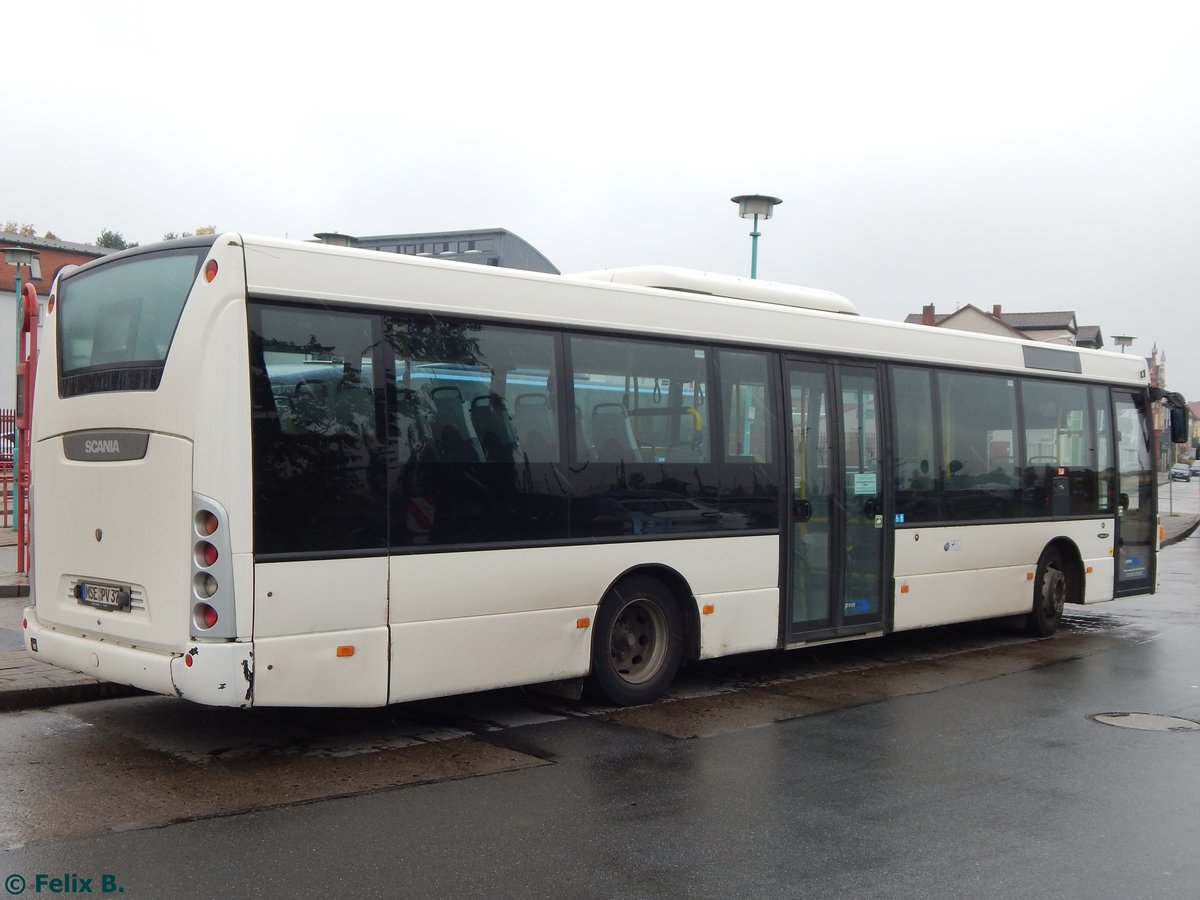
(533, 419)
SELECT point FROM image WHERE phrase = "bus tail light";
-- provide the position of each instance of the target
(210, 271)
(206, 554)
(204, 617)
(214, 613)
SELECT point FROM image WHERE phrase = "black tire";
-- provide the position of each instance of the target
(1051, 588)
(637, 645)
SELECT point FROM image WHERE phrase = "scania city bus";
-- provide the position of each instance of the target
(269, 472)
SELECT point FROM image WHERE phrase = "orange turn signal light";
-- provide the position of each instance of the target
(708, 609)
(583, 623)
(345, 650)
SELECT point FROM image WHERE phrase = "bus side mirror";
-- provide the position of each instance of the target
(1179, 425)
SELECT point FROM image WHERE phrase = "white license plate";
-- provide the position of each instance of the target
(103, 596)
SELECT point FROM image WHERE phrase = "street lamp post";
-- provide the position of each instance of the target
(752, 206)
(1123, 341)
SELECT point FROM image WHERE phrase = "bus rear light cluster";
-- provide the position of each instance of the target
(213, 609)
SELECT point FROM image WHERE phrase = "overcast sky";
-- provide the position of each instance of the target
(1043, 156)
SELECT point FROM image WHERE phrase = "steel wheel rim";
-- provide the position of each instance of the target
(1054, 592)
(639, 641)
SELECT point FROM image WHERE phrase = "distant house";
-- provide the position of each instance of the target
(52, 256)
(1048, 327)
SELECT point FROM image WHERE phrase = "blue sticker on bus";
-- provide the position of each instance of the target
(899, 518)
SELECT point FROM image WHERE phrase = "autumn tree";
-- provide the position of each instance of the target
(113, 240)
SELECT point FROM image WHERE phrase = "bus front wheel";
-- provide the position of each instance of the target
(637, 645)
(1050, 593)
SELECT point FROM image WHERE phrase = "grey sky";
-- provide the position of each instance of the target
(1038, 155)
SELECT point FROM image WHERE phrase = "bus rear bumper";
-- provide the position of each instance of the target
(220, 674)
(145, 669)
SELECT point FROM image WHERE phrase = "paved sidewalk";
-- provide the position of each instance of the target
(25, 682)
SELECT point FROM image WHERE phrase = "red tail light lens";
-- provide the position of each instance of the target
(205, 615)
(210, 271)
(206, 553)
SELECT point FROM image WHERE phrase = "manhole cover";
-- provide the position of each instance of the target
(1146, 721)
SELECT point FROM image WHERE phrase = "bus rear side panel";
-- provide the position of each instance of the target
(112, 543)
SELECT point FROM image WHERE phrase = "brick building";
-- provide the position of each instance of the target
(52, 255)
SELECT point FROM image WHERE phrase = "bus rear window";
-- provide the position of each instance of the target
(115, 322)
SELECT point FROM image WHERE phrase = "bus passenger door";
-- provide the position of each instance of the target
(835, 560)
(1137, 516)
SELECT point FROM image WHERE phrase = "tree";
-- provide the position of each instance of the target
(51, 236)
(113, 240)
(203, 229)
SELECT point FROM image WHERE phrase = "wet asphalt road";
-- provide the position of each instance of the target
(957, 762)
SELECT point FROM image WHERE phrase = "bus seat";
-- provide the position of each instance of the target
(493, 427)
(612, 434)
(453, 434)
(534, 421)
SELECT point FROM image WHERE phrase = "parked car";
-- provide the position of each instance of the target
(1181, 472)
(1196, 469)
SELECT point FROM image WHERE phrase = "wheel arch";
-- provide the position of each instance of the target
(1072, 560)
(685, 599)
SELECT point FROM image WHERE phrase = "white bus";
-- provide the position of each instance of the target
(276, 473)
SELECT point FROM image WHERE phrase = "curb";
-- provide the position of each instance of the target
(1181, 536)
(58, 694)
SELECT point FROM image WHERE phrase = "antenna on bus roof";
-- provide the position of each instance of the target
(695, 281)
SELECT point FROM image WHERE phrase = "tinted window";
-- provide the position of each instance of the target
(979, 452)
(319, 461)
(477, 433)
(749, 478)
(1060, 475)
(916, 460)
(641, 436)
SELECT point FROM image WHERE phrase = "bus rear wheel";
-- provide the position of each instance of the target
(637, 645)
(1050, 592)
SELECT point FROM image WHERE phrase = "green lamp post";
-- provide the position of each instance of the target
(755, 206)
